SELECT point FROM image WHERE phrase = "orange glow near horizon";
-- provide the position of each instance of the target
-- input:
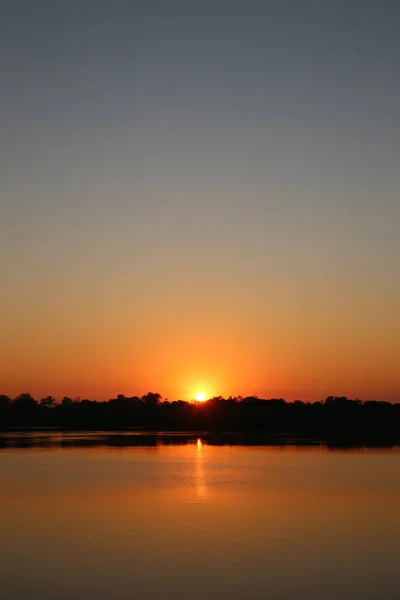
(101, 354)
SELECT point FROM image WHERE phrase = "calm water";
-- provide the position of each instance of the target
(84, 517)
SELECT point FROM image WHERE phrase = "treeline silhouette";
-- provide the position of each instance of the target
(335, 415)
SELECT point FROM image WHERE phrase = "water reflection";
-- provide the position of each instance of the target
(141, 515)
(48, 439)
(200, 473)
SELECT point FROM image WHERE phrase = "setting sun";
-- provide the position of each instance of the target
(201, 397)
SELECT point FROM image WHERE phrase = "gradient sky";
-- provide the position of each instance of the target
(200, 195)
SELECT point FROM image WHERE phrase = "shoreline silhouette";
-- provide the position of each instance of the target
(334, 417)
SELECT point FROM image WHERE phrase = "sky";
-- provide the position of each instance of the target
(200, 196)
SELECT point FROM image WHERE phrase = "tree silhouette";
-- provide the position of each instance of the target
(25, 401)
(66, 401)
(336, 416)
(47, 402)
(151, 399)
(4, 401)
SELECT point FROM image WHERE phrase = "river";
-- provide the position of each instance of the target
(93, 516)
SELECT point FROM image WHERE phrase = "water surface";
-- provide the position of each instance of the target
(111, 516)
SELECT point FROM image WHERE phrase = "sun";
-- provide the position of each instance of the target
(200, 397)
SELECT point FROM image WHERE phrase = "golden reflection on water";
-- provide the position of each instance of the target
(211, 521)
(200, 478)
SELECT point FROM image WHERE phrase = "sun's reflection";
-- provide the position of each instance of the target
(200, 473)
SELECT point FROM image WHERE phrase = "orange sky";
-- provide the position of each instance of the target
(274, 345)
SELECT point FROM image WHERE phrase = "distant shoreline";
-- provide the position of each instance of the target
(337, 418)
